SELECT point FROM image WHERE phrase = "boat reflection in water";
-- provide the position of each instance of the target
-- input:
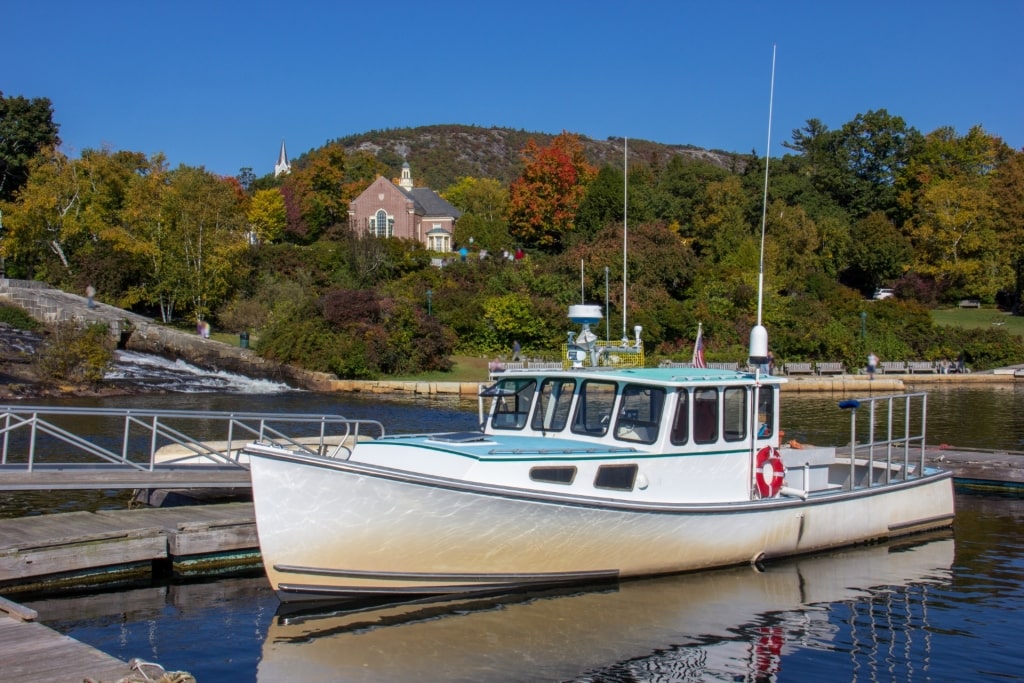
(729, 624)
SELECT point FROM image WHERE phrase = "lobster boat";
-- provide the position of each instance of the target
(596, 468)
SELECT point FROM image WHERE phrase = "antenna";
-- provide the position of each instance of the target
(625, 229)
(583, 295)
(759, 335)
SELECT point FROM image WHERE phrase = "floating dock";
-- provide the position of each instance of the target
(48, 551)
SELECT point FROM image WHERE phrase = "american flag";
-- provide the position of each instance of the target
(698, 348)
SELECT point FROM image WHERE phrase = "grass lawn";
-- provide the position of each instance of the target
(979, 318)
(466, 369)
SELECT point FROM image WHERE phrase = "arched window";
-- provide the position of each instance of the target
(380, 224)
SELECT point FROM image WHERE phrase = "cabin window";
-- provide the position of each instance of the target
(639, 413)
(512, 403)
(766, 413)
(705, 415)
(594, 408)
(553, 402)
(681, 421)
(734, 413)
(618, 477)
(553, 475)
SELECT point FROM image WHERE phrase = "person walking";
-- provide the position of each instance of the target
(872, 365)
(516, 349)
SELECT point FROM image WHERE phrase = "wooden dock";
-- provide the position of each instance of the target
(33, 653)
(98, 547)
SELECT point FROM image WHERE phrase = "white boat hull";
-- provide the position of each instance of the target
(334, 528)
(660, 626)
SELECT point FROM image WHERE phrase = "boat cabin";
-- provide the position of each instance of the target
(682, 408)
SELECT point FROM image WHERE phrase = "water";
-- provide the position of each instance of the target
(942, 607)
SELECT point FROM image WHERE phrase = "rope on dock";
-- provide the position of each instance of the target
(162, 675)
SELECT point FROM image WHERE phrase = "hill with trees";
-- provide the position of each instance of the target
(938, 217)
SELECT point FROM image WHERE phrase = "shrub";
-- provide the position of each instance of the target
(18, 318)
(76, 355)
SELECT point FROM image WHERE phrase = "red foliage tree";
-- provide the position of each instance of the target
(544, 200)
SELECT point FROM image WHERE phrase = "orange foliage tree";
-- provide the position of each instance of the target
(543, 201)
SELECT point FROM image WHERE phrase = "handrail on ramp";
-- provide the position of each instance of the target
(52, 438)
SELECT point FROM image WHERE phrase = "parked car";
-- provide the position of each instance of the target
(883, 294)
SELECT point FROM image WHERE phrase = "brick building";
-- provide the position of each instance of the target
(385, 209)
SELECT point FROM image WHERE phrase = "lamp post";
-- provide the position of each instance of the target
(863, 325)
(430, 301)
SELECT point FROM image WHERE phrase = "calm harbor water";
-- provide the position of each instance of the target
(942, 607)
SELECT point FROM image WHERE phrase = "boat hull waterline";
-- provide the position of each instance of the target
(342, 528)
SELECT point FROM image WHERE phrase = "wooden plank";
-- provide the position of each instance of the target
(65, 528)
(16, 611)
(215, 540)
(197, 529)
(78, 557)
(99, 477)
(33, 653)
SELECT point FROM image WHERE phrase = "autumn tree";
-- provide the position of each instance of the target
(267, 215)
(544, 200)
(322, 187)
(46, 217)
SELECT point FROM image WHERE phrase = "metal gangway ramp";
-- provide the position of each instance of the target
(44, 447)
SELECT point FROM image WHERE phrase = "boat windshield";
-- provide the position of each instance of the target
(553, 402)
(513, 398)
(594, 408)
(639, 417)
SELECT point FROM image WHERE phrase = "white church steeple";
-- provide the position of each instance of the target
(282, 165)
(405, 182)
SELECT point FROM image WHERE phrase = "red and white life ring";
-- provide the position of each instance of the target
(770, 473)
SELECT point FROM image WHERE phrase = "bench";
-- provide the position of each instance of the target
(969, 303)
(896, 366)
(723, 366)
(921, 366)
(674, 364)
(799, 368)
(543, 365)
(829, 368)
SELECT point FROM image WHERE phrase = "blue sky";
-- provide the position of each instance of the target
(220, 84)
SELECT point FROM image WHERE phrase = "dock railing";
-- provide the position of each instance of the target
(51, 438)
(896, 424)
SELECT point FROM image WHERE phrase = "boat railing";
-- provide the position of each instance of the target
(893, 434)
(33, 436)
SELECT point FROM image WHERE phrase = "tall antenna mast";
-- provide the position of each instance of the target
(625, 229)
(759, 335)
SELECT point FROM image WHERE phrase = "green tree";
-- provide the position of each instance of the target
(1007, 188)
(952, 219)
(878, 252)
(208, 227)
(857, 165)
(544, 200)
(26, 129)
(483, 202)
